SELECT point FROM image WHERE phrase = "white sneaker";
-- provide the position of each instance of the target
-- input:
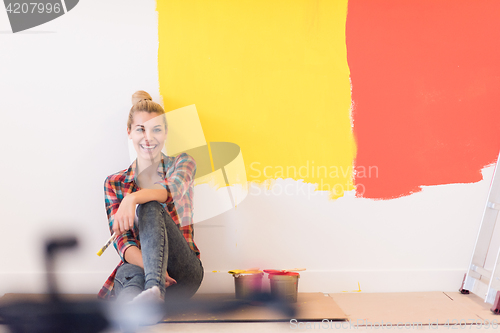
(149, 295)
(148, 307)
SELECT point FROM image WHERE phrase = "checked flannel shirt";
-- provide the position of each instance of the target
(178, 179)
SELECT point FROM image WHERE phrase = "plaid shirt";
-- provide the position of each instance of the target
(177, 174)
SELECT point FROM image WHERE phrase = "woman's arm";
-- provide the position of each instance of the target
(179, 182)
(181, 179)
(134, 256)
(125, 215)
(157, 193)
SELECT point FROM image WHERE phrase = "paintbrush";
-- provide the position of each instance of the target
(110, 240)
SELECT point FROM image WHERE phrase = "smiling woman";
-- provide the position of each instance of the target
(152, 199)
(147, 128)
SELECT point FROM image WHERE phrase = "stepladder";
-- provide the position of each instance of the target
(483, 275)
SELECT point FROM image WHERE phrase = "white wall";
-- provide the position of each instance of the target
(66, 89)
(65, 93)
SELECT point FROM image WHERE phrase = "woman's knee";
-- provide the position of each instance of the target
(150, 207)
(128, 274)
(151, 210)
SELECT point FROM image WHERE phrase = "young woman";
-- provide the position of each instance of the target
(149, 208)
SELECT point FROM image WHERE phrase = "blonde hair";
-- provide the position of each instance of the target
(142, 101)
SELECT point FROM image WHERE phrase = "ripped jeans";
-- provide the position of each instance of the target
(163, 248)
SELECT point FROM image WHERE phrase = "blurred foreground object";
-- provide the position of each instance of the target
(54, 315)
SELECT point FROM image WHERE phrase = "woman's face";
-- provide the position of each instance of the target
(148, 134)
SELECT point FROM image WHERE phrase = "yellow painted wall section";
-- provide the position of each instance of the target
(270, 76)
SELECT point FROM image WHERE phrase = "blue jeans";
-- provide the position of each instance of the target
(163, 248)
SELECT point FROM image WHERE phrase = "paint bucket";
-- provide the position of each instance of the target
(247, 283)
(284, 285)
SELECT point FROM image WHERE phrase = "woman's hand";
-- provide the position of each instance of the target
(125, 215)
(169, 281)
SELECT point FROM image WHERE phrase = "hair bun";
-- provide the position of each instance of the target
(139, 95)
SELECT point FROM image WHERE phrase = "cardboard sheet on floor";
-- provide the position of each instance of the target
(475, 304)
(427, 308)
(309, 306)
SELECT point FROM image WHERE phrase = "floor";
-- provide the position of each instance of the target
(424, 312)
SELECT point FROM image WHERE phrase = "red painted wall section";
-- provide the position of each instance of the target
(426, 92)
